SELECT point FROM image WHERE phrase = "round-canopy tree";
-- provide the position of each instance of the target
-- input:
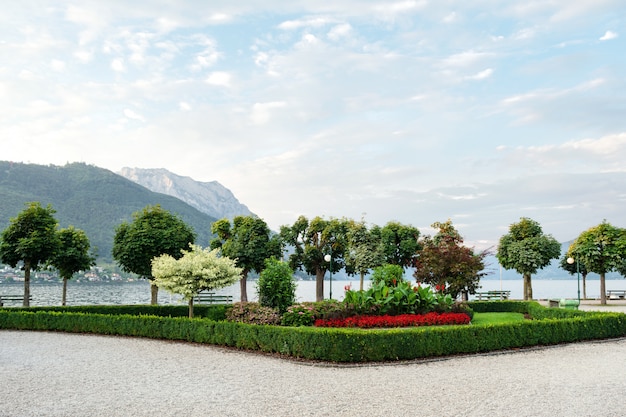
(311, 241)
(31, 238)
(153, 232)
(364, 250)
(73, 255)
(399, 243)
(196, 270)
(600, 249)
(249, 241)
(527, 249)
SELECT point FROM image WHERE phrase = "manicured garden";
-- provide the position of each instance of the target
(488, 332)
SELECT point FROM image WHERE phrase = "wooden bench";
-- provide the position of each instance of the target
(492, 295)
(12, 298)
(617, 294)
(212, 298)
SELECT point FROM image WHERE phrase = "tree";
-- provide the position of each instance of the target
(364, 249)
(311, 241)
(73, 255)
(196, 270)
(444, 262)
(31, 238)
(576, 267)
(527, 249)
(153, 232)
(276, 286)
(600, 249)
(400, 243)
(249, 241)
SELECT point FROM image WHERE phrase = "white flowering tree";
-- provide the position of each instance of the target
(197, 270)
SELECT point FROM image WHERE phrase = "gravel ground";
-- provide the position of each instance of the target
(56, 374)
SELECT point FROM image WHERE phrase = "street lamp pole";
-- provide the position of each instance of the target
(570, 261)
(329, 259)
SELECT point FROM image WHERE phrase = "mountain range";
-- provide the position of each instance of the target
(97, 200)
(211, 198)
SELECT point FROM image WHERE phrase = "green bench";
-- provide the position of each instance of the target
(13, 298)
(212, 298)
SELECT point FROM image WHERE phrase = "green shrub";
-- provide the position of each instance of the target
(400, 298)
(276, 287)
(252, 313)
(390, 275)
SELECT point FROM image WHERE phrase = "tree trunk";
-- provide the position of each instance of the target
(528, 288)
(584, 286)
(243, 287)
(26, 302)
(319, 284)
(64, 297)
(361, 283)
(154, 294)
(191, 307)
(602, 289)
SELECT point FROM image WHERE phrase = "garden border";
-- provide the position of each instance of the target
(549, 327)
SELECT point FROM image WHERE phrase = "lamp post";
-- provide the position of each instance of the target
(329, 259)
(570, 261)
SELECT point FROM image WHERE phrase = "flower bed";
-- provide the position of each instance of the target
(402, 320)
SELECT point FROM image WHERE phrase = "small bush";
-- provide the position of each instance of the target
(252, 313)
(298, 315)
(305, 314)
(462, 307)
(391, 275)
(276, 286)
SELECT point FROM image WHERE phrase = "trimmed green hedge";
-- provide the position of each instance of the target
(551, 326)
(214, 312)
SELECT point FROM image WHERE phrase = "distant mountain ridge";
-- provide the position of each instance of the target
(93, 199)
(211, 198)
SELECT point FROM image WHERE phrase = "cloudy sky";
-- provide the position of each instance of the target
(417, 111)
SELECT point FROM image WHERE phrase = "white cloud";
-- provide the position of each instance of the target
(311, 22)
(117, 65)
(184, 106)
(465, 59)
(450, 18)
(609, 35)
(57, 65)
(482, 75)
(261, 112)
(219, 78)
(132, 115)
(339, 32)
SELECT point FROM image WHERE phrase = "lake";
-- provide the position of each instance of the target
(84, 293)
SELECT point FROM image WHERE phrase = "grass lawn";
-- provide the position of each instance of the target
(482, 319)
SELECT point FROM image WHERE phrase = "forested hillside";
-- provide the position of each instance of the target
(93, 199)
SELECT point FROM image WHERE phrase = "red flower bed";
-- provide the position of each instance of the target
(403, 320)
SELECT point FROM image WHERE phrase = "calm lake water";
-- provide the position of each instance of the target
(139, 292)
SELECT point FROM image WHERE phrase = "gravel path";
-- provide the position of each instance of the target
(56, 374)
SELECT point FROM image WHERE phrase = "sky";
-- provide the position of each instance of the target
(416, 111)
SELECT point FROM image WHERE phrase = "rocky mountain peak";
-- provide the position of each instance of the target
(211, 197)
